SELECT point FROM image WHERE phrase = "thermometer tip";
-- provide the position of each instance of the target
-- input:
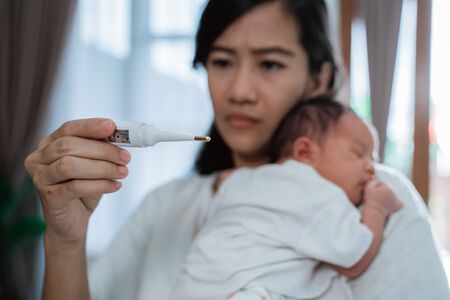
(202, 138)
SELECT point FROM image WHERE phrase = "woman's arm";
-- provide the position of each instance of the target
(71, 169)
(65, 270)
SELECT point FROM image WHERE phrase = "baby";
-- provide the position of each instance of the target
(286, 230)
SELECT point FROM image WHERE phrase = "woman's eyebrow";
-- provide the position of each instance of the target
(272, 50)
(222, 49)
(257, 51)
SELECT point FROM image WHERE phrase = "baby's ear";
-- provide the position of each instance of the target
(304, 150)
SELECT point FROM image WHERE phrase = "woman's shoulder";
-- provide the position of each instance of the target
(409, 248)
(403, 188)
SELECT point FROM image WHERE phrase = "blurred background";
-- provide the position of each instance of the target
(131, 60)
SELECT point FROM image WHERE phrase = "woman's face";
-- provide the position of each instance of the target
(257, 70)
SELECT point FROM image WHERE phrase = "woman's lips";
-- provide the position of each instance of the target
(241, 121)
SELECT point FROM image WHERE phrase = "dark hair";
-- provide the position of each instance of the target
(312, 119)
(312, 19)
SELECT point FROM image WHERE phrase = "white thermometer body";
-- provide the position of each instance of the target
(135, 134)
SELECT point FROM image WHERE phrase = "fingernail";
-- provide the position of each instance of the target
(106, 125)
(123, 170)
(124, 156)
(118, 184)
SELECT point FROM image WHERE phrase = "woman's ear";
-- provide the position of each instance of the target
(318, 84)
(304, 150)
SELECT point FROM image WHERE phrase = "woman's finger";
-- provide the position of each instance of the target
(82, 147)
(96, 128)
(72, 167)
(75, 189)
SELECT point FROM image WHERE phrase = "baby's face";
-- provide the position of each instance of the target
(345, 156)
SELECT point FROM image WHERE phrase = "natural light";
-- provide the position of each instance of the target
(152, 71)
(440, 66)
(440, 127)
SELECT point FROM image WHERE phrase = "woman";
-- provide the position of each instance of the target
(260, 57)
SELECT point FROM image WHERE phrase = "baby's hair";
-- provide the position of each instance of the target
(309, 118)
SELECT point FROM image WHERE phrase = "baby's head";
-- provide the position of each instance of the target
(332, 139)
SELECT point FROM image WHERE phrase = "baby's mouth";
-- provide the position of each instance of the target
(361, 187)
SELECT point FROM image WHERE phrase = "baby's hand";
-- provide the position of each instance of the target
(379, 196)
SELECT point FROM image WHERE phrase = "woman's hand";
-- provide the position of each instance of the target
(379, 196)
(71, 169)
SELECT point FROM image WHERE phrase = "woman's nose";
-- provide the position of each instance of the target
(243, 89)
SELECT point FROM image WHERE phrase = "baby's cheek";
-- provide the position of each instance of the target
(355, 195)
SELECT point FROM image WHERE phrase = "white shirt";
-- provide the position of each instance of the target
(274, 225)
(146, 258)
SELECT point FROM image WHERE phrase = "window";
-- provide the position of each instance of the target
(398, 153)
(131, 60)
(440, 126)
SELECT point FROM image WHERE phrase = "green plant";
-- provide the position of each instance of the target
(20, 226)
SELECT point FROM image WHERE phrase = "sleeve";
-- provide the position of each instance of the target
(408, 265)
(116, 273)
(335, 234)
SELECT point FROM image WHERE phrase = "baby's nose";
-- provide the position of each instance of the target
(370, 169)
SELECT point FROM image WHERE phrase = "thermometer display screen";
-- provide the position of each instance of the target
(120, 136)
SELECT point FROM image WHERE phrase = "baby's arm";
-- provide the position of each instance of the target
(379, 203)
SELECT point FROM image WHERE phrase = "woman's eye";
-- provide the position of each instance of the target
(271, 65)
(221, 63)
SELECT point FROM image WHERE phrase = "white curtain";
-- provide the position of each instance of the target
(382, 18)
